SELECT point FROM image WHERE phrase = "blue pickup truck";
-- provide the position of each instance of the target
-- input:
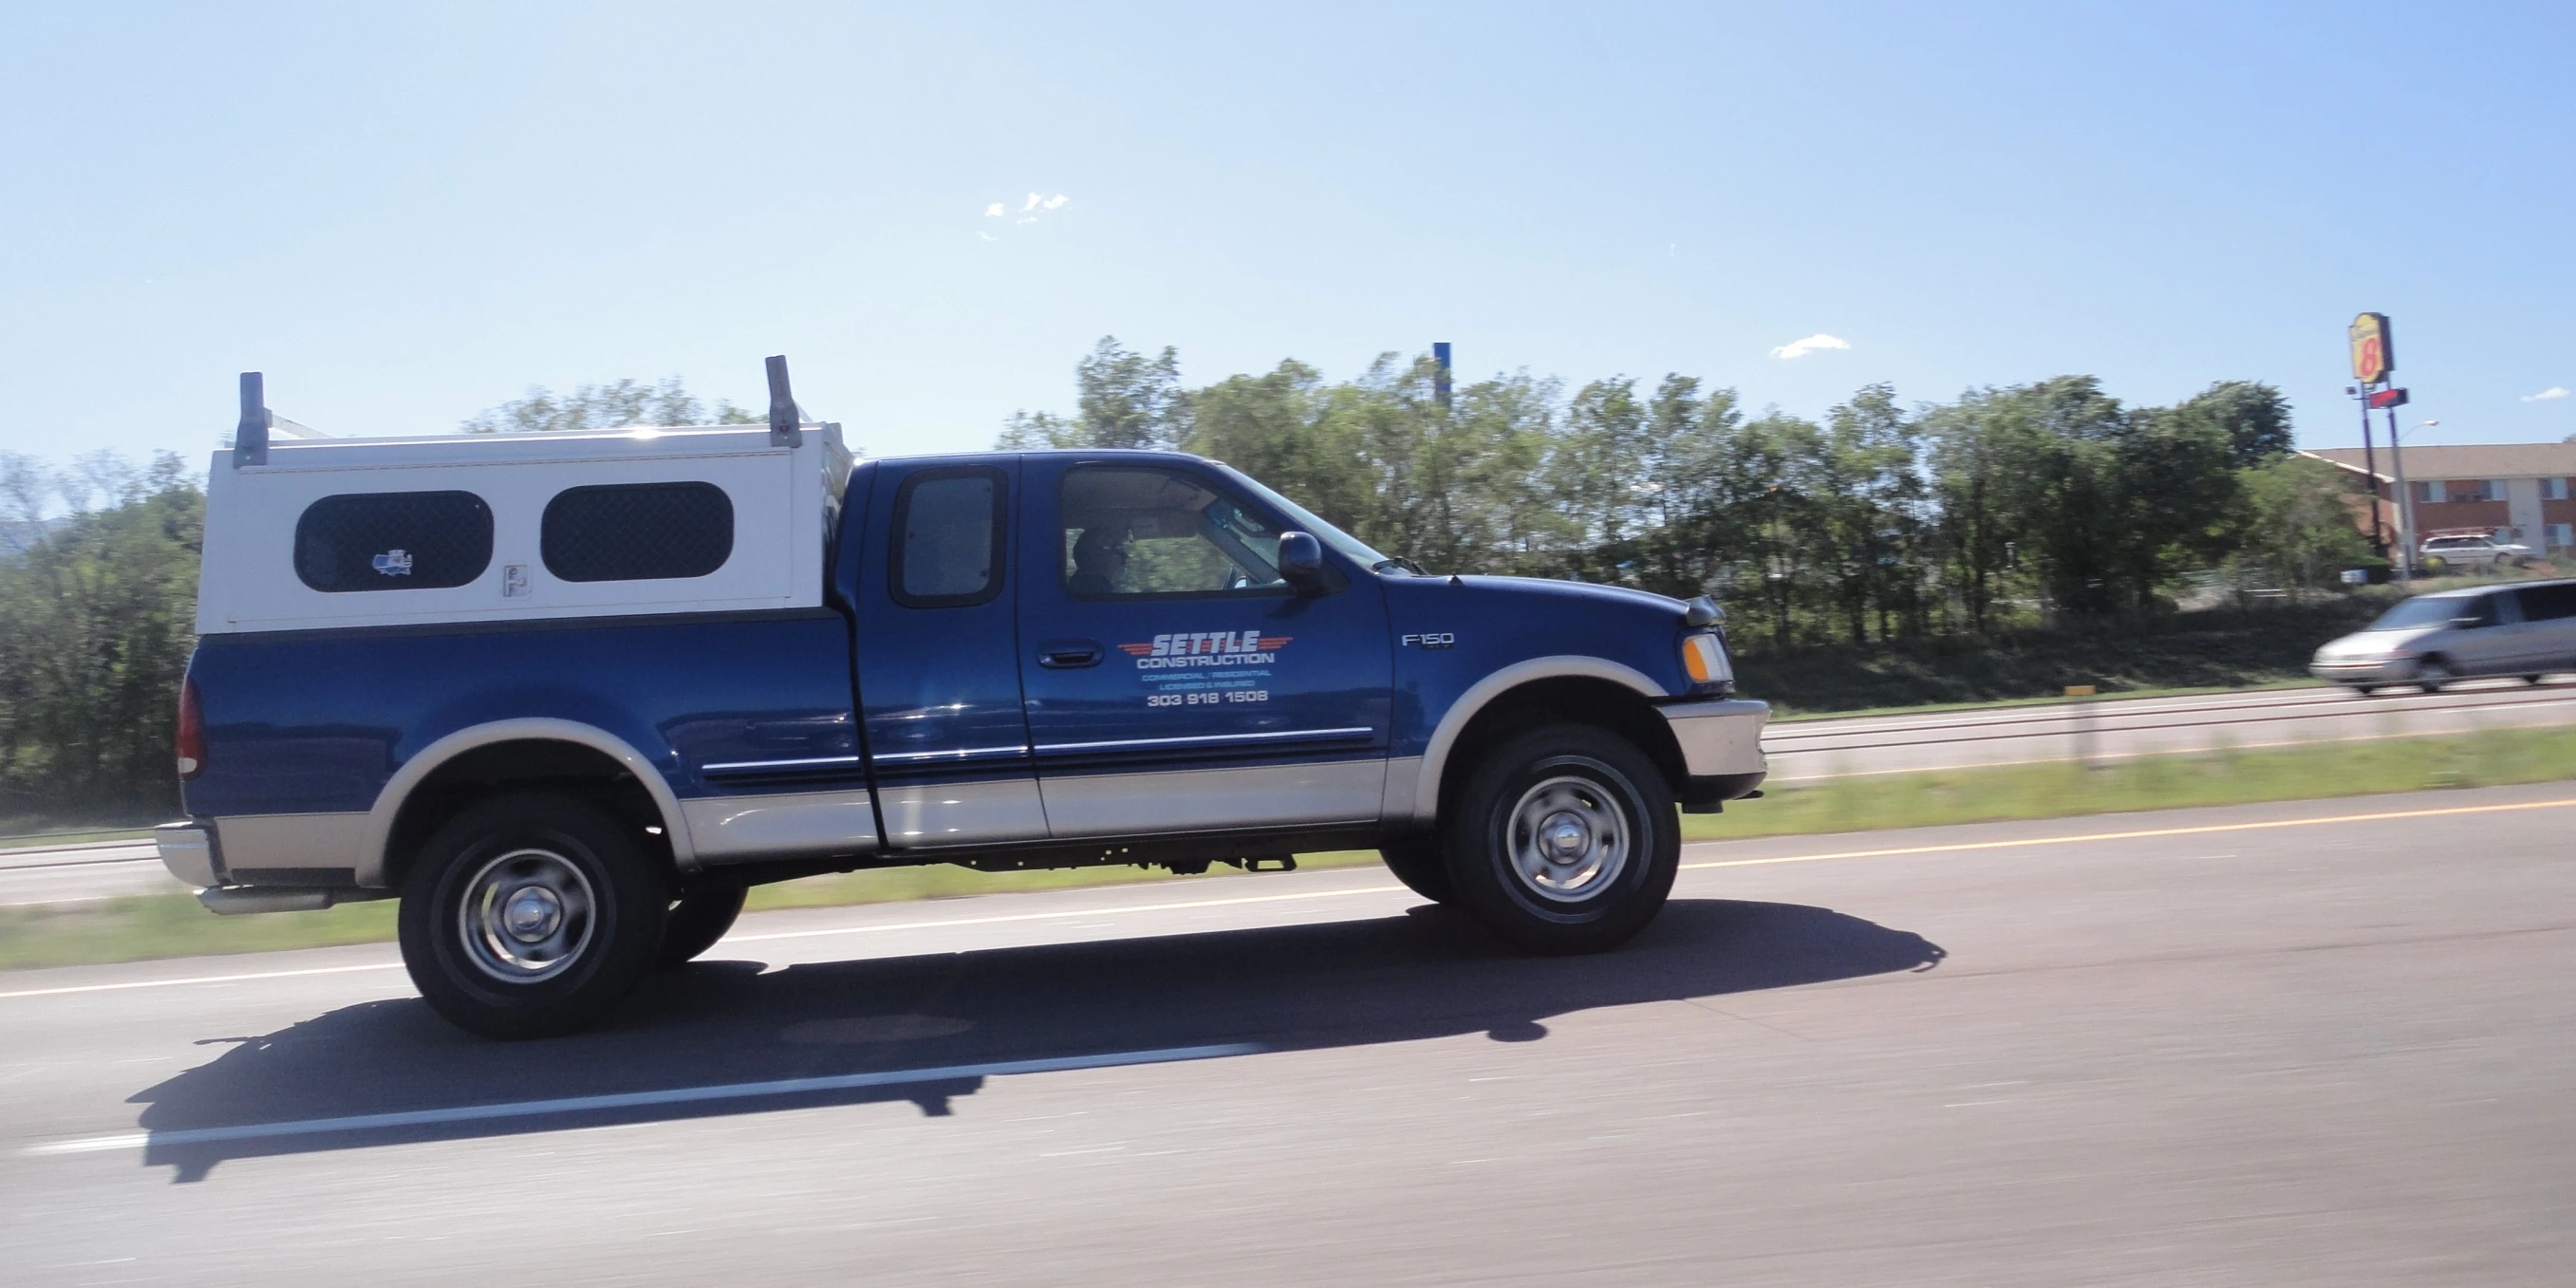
(569, 695)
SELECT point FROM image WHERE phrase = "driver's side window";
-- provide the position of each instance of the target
(1131, 532)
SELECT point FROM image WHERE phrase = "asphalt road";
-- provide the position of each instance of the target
(2119, 728)
(2313, 1043)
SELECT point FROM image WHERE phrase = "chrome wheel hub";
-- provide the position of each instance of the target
(527, 916)
(1569, 839)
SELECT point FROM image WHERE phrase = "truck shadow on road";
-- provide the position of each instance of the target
(722, 1023)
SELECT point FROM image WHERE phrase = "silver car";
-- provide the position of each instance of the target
(2470, 552)
(2527, 629)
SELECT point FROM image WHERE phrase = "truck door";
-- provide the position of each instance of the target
(1175, 683)
(938, 657)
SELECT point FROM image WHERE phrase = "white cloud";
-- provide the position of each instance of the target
(1801, 348)
(2545, 395)
(1036, 204)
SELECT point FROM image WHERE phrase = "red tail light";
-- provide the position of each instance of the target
(192, 732)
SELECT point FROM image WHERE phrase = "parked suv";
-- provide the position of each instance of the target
(2430, 640)
(569, 695)
(2471, 552)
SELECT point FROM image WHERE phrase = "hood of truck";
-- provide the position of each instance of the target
(1578, 592)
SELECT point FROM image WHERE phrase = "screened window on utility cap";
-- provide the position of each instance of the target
(637, 531)
(359, 541)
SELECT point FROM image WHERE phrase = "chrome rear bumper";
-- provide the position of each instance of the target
(188, 850)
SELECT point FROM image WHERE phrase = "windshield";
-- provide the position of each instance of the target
(1349, 546)
(2423, 610)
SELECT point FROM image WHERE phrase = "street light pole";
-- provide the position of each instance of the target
(2405, 499)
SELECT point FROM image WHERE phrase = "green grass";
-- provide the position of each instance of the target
(173, 925)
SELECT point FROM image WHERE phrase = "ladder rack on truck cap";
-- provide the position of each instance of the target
(341, 532)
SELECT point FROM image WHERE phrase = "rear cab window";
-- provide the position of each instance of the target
(948, 535)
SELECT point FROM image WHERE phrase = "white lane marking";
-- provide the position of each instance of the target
(1187, 905)
(638, 1099)
(199, 979)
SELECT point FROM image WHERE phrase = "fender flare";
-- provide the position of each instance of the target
(398, 789)
(1444, 736)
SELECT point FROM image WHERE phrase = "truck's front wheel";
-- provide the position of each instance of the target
(530, 916)
(1564, 840)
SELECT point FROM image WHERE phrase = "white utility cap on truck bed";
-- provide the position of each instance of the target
(495, 527)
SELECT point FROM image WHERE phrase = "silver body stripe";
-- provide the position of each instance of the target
(809, 762)
(950, 755)
(1209, 740)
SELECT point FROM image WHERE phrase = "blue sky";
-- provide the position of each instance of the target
(405, 214)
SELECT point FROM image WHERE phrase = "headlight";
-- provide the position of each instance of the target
(1705, 660)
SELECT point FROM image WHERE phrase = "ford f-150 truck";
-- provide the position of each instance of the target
(569, 695)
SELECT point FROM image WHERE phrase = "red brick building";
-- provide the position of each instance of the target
(2524, 492)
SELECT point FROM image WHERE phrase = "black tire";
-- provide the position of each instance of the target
(1422, 864)
(1606, 798)
(2365, 690)
(593, 902)
(697, 921)
(2434, 672)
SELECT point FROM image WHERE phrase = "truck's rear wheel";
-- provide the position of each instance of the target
(1564, 840)
(1422, 864)
(530, 916)
(697, 921)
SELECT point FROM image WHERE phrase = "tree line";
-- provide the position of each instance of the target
(98, 602)
(1881, 520)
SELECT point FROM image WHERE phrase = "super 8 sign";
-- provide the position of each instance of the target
(2374, 353)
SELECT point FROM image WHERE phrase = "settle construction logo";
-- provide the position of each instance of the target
(1191, 650)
